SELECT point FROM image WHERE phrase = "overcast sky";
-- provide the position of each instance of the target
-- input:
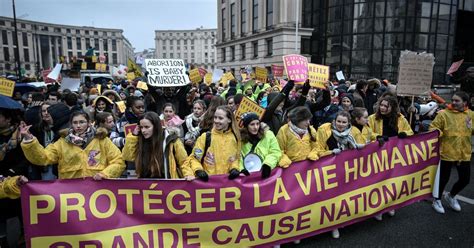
(138, 18)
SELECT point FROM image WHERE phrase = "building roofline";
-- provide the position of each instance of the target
(186, 30)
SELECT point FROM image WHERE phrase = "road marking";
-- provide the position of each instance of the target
(465, 199)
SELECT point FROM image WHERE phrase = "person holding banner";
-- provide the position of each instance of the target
(218, 151)
(359, 122)
(297, 138)
(157, 152)
(82, 151)
(455, 127)
(10, 186)
(260, 149)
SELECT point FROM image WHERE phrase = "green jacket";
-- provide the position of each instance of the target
(267, 148)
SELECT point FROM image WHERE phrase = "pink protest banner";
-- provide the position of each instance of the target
(202, 72)
(454, 67)
(298, 202)
(296, 67)
(277, 70)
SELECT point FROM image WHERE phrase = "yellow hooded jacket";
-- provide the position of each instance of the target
(9, 188)
(324, 133)
(294, 148)
(377, 125)
(367, 134)
(455, 134)
(100, 155)
(224, 148)
(176, 155)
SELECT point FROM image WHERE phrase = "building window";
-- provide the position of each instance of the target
(114, 58)
(254, 16)
(164, 48)
(269, 47)
(192, 55)
(243, 17)
(96, 33)
(242, 51)
(78, 44)
(6, 53)
(28, 67)
(164, 55)
(171, 55)
(69, 43)
(233, 26)
(255, 49)
(192, 42)
(106, 45)
(269, 14)
(26, 55)
(23, 25)
(24, 37)
(4, 37)
(114, 45)
(223, 23)
(223, 54)
(185, 42)
(88, 43)
(232, 53)
(305, 45)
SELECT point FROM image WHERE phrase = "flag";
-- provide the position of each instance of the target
(454, 67)
(132, 67)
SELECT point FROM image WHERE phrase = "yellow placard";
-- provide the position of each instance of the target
(7, 87)
(103, 67)
(130, 75)
(97, 66)
(142, 85)
(99, 88)
(261, 74)
(208, 78)
(244, 76)
(94, 59)
(121, 106)
(195, 76)
(83, 66)
(318, 75)
(226, 77)
(247, 105)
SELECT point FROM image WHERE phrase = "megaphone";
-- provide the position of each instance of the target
(253, 162)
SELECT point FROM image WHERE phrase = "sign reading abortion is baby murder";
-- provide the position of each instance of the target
(415, 73)
(166, 72)
(308, 198)
(296, 67)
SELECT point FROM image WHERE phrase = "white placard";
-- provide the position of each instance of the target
(54, 74)
(166, 72)
(415, 73)
(70, 84)
(340, 75)
(217, 75)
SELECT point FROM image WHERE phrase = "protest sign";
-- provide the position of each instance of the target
(121, 106)
(202, 72)
(166, 72)
(415, 73)
(217, 75)
(101, 58)
(99, 88)
(129, 128)
(94, 59)
(340, 75)
(277, 70)
(226, 77)
(303, 200)
(97, 67)
(7, 87)
(195, 76)
(247, 105)
(454, 67)
(71, 84)
(54, 74)
(142, 85)
(130, 76)
(103, 67)
(318, 75)
(296, 67)
(83, 66)
(261, 74)
(208, 78)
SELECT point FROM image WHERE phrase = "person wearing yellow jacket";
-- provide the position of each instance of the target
(297, 138)
(10, 186)
(157, 152)
(455, 127)
(222, 155)
(388, 121)
(360, 125)
(260, 149)
(81, 152)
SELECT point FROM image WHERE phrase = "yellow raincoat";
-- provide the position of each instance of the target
(367, 134)
(324, 133)
(455, 134)
(176, 155)
(9, 188)
(377, 125)
(294, 148)
(100, 155)
(224, 148)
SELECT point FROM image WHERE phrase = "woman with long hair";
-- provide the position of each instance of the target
(191, 124)
(360, 124)
(82, 151)
(208, 118)
(157, 152)
(388, 121)
(218, 151)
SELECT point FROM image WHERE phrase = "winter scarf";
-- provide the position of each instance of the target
(173, 122)
(344, 139)
(193, 131)
(82, 140)
(300, 132)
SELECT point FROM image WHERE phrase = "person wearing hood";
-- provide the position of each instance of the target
(456, 129)
(135, 109)
(297, 139)
(82, 151)
(101, 104)
(157, 152)
(346, 102)
(191, 124)
(258, 143)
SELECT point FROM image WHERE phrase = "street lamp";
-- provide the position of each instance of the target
(17, 51)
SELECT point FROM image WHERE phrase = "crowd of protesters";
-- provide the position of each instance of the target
(191, 132)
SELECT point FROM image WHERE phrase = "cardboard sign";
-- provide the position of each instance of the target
(55, 73)
(247, 105)
(94, 59)
(83, 66)
(72, 84)
(296, 67)
(103, 67)
(166, 72)
(7, 87)
(99, 88)
(318, 75)
(208, 78)
(121, 106)
(195, 76)
(129, 128)
(340, 75)
(261, 74)
(130, 76)
(97, 66)
(415, 73)
(142, 85)
(454, 67)
(277, 70)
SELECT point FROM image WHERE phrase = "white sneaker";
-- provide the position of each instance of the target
(335, 233)
(391, 213)
(438, 206)
(297, 242)
(378, 217)
(452, 202)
